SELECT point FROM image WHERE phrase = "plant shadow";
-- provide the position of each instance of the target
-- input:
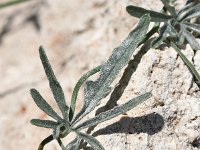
(150, 124)
(27, 15)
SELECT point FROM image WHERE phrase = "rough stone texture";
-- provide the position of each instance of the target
(79, 35)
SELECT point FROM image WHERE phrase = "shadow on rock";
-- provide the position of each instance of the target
(27, 15)
(150, 124)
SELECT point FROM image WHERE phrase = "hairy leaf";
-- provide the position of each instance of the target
(181, 38)
(74, 144)
(54, 84)
(192, 26)
(191, 40)
(182, 12)
(169, 8)
(90, 140)
(155, 16)
(44, 123)
(194, 12)
(77, 88)
(96, 90)
(162, 36)
(114, 112)
(170, 29)
(43, 105)
(61, 144)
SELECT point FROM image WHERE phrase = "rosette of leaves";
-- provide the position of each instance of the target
(176, 29)
(177, 24)
(94, 91)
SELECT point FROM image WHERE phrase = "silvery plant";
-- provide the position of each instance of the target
(94, 92)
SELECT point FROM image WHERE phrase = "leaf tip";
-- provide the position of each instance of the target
(32, 121)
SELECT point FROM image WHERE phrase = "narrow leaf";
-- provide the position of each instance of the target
(186, 61)
(191, 40)
(170, 29)
(169, 8)
(91, 140)
(181, 38)
(114, 112)
(162, 36)
(192, 26)
(43, 105)
(151, 32)
(74, 144)
(77, 88)
(194, 12)
(155, 16)
(181, 13)
(54, 84)
(96, 90)
(61, 144)
(44, 123)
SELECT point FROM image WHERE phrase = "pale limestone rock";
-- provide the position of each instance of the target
(79, 35)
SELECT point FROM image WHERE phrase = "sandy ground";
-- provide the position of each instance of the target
(77, 35)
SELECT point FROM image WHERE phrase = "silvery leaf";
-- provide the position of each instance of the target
(74, 144)
(181, 38)
(114, 112)
(44, 123)
(194, 12)
(192, 26)
(54, 84)
(77, 88)
(43, 105)
(155, 16)
(96, 90)
(169, 8)
(94, 143)
(181, 13)
(162, 36)
(191, 40)
(170, 30)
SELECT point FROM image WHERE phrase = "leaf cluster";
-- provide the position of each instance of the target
(94, 92)
(178, 27)
(177, 24)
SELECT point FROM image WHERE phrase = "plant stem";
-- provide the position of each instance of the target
(186, 61)
(45, 141)
(77, 88)
(150, 33)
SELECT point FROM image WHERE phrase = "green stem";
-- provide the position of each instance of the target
(186, 61)
(45, 141)
(13, 2)
(150, 33)
(77, 88)
(61, 144)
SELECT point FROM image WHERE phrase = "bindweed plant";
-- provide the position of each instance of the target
(94, 92)
(178, 27)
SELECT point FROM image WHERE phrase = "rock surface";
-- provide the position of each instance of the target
(73, 32)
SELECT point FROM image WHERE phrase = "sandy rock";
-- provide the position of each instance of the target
(79, 35)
